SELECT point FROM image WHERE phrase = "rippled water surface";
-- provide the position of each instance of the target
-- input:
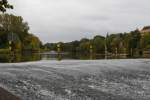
(126, 79)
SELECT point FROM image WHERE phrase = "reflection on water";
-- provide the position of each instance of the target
(13, 58)
(26, 57)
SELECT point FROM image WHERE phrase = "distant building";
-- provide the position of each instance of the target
(146, 29)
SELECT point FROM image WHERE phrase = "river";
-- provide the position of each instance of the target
(117, 79)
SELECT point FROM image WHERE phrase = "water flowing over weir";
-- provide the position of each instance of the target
(125, 79)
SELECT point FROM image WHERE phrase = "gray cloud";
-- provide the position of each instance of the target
(67, 20)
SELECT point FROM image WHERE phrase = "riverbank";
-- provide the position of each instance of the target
(5, 95)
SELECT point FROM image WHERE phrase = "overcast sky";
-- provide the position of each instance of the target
(67, 20)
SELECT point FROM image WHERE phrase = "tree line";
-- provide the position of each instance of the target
(14, 34)
(15, 30)
(133, 43)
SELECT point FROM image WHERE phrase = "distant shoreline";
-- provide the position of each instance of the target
(5, 95)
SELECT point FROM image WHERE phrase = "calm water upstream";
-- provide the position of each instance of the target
(27, 57)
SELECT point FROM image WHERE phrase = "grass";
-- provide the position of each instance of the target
(4, 51)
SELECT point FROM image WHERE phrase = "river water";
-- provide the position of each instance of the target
(75, 77)
(123, 79)
(27, 57)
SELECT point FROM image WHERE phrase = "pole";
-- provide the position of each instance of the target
(91, 51)
(59, 51)
(58, 48)
(131, 52)
(106, 47)
(116, 50)
(10, 43)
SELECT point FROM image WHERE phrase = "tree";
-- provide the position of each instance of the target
(31, 42)
(115, 42)
(14, 24)
(84, 47)
(146, 41)
(135, 39)
(4, 5)
(99, 44)
(135, 42)
(50, 46)
(71, 47)
(14, 29)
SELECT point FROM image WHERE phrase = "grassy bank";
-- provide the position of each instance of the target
(4, 51)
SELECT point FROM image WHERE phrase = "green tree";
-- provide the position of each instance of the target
(135, 43)
(146, 41)
(4, 5)
(71, 47)
(51, 46)
(115, 42)
(84, 45)
(99, 44)
(31, 42)
(14, 24)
